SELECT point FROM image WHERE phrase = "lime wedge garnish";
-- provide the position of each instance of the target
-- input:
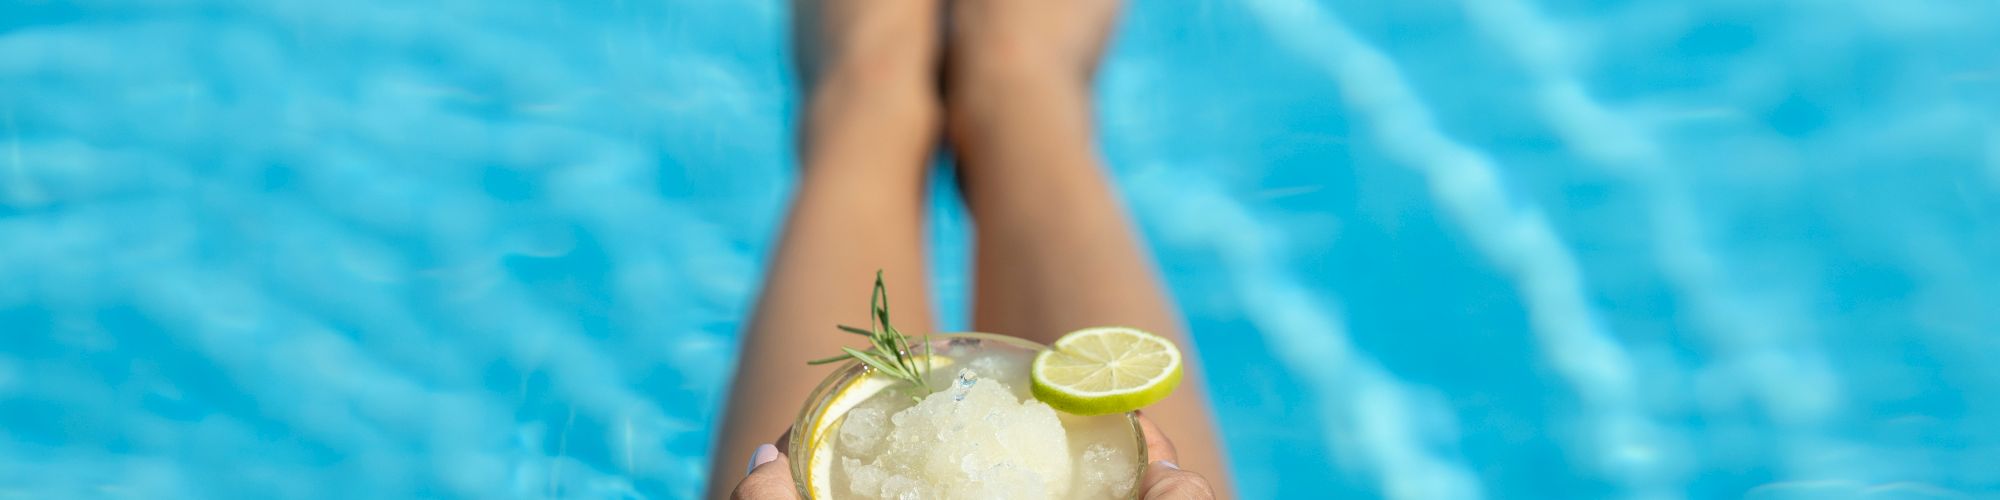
(1106, 370)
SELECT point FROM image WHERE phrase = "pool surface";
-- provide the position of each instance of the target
(1440, 249)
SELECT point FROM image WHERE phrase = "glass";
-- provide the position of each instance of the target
(816, 423)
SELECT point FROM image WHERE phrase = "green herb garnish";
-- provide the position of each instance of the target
(891, 353)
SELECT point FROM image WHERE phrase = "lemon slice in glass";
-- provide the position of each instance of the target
(1106, 370)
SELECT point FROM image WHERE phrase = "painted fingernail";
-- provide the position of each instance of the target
(765, 454)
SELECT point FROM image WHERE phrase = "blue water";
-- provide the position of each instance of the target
(1439, 249)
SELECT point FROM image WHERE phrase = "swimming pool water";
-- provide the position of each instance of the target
(1445, 249)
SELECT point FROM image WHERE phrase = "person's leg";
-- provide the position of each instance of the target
(1055, 250)
(871, 119)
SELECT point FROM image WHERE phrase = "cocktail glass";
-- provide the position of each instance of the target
(1107, 453)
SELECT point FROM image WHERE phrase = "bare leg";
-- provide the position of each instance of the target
(1055, 249)
(871, 119)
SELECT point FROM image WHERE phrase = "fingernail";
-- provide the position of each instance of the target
(765, 454)
(1170, 464)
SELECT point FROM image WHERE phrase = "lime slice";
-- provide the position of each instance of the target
(820, 466)
(1106, 370)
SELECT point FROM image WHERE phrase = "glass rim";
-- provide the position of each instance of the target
(802, 435)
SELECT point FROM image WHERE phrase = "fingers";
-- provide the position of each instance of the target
(1166, 481)
(770, 477)
(1158, 447)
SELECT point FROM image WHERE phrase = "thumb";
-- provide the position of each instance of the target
(770, 477)
(1166, 481)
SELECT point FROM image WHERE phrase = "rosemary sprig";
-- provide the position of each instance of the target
(890, 352)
